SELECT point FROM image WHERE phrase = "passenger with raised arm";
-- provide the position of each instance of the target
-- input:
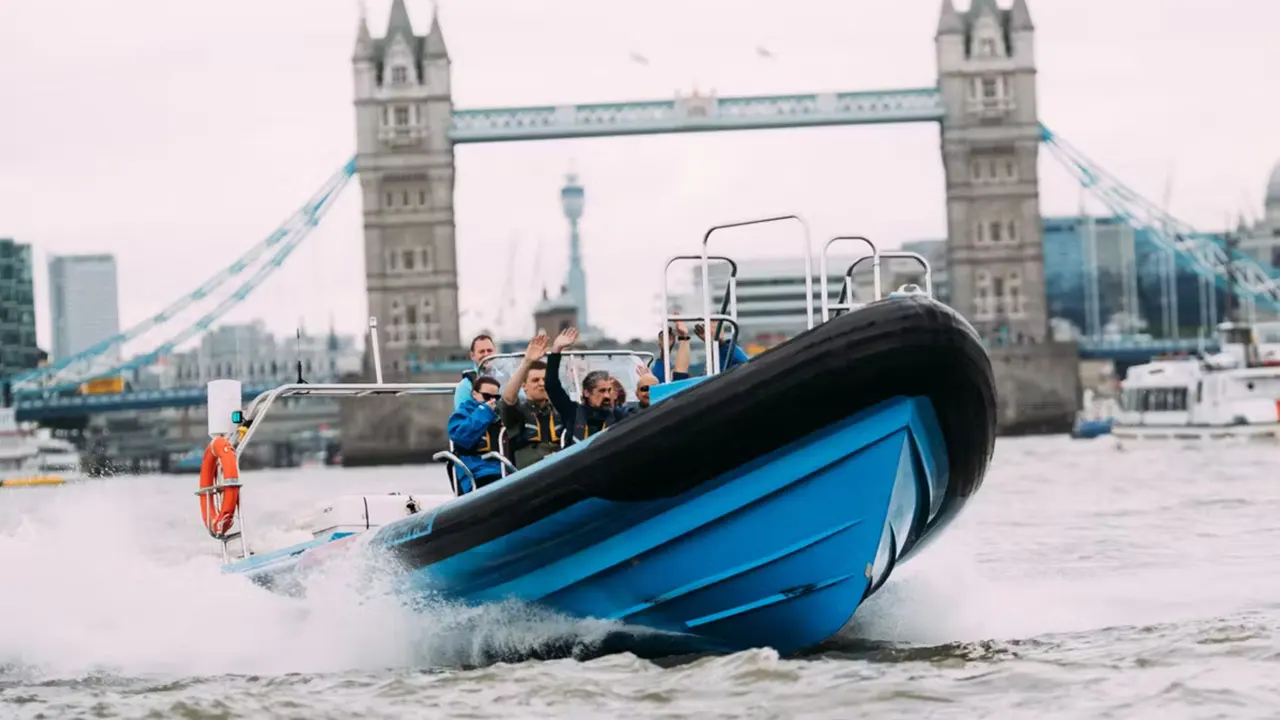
(727, 360)
(679, 337)
(595, 411)
(474, 428)
(482, 346)
(533, 425)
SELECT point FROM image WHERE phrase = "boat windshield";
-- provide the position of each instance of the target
(622, 364)
(1267, 333)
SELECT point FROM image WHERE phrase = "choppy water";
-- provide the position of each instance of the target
(1081, 582)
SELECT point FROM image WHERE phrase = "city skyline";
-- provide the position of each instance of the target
(651, 197)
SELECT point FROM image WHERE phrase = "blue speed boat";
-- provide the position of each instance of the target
(755, 506)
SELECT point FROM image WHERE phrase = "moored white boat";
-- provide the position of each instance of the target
(1233, 395)
(32, 456)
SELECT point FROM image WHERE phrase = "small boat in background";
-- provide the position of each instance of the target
(1231, 395)
(1096, 416)
(31, 456)
(757, 506)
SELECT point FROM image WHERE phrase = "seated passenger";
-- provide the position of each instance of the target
(679, 336)
(619, 392)
(481, 347)
(595, 412)
(533, 426)
(646, 381)
(474, 429)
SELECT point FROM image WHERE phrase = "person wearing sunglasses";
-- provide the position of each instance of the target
(474, 429)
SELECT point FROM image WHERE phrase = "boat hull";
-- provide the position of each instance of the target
(1264, 432)
(757, 508)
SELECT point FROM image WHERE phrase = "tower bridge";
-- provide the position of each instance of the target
(984, 102)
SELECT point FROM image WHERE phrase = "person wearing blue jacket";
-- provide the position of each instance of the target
(482, 346)
(474, 428)
(681, 350)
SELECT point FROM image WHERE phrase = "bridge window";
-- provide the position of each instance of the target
(995, 230)
(407, 256)
(982, 298)
(392, 260)
(399, 75)
(422, 198)
(1013, 230)
(425, 260)
(401, 115)
(986, 47)
(1016, 300)
(390, 200)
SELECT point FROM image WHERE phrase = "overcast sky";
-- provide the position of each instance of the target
(177, 133)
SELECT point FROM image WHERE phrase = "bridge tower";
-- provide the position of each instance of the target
(404, 156)
(990, 145)
(405, 160)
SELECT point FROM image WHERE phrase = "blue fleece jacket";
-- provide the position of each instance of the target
(467, 427)
(738, 357)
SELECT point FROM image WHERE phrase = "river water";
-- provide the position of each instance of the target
(1081, 582)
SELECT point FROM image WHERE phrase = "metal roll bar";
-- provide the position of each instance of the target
(842, 304)
(728, 306)
(928, 271)
(712, 359)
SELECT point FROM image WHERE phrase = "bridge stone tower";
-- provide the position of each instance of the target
(405, 160)
(404, 157)
(990, 145)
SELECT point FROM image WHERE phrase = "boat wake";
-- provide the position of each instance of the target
(87, 593)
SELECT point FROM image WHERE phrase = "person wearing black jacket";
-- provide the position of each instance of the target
(596, 411)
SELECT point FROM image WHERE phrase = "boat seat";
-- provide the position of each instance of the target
(453, 463)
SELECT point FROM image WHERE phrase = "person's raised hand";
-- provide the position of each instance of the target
(566, 338)
(537, 348)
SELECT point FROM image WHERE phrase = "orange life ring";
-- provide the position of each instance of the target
(219, 455)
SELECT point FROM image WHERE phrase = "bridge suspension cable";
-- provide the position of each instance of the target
(1205, 256)
(68, 373)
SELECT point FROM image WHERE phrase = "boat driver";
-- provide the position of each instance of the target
(532, 424)
(482, 346)
(595, 412)
(474, 430)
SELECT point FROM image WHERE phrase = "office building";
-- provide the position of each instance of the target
(249, 353)
(18, 350)
(83, 303)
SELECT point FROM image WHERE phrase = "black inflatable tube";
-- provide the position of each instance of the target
(909, 346)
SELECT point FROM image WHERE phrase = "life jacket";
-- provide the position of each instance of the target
(586, 417)
(540, 426)
(488, 442)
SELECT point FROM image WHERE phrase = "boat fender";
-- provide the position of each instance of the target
(219, 455)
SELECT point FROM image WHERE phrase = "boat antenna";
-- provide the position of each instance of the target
(297, 350)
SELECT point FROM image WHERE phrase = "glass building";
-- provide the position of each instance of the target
(1130, 291)
(18, 350)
